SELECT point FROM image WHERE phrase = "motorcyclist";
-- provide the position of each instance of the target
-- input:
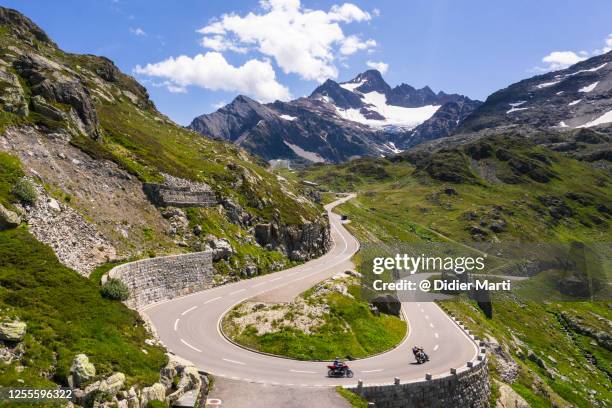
(419, 351)
(338, 364)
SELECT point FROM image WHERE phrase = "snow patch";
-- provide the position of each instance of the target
(589, 88)
(572, 103)
(605, 118)
(312, 156)
(560, 93)
(395, 116)
(288, 117)
(514, 107)
(351, 86)
(588, 70)
(563, 124)
(393, 148)
(547, 84)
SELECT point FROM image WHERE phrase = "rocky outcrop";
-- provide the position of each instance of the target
(188, 378)
(156, 392)
(23, 26)
(508, 398)
(8, 219)
(299, 242)
(53, 83)
(388, 304)
(167, 277)
(81, 371)
(12, 330)
(220, 247)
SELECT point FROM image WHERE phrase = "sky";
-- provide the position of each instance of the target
(194, 56)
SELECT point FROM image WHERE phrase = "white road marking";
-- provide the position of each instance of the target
(436, 347)
(233, 361)
(427, 317)
(190, 346)
(372, 371)
(188, 310)
(259, 284)
(431, 325)
(237, 291)
(436, 335)
(302, 371)
(176, 324)
(291, 274)
(275, 279)
(212, 300)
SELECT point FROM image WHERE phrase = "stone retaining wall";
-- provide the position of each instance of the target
(156, 279)
(463, 387)
(469, 388)
(164, 196)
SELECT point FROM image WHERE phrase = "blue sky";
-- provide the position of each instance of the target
(470, 47)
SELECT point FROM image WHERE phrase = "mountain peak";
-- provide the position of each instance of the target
(370, 81)
(22, 27)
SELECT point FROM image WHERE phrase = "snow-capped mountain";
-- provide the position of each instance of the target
(360, 117)
(577, 97)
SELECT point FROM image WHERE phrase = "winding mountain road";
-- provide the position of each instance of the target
(189, 327)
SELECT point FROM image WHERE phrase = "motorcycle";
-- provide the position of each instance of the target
(420, 355)
(340, 371)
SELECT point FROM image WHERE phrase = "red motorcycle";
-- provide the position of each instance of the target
(339, 371)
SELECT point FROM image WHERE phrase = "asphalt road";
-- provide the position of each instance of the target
(189, 327)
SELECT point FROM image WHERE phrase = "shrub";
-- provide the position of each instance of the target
(114, 289)
(25, 191)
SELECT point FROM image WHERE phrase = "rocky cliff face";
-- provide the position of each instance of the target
(299, 242)
(338, 121)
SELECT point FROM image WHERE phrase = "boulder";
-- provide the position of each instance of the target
(12, 330)
(108, 386)
(8, 219)
(190, 380)
(156, 392)
(508, 398)
(81, 371)
(387, 304)
(221, 247)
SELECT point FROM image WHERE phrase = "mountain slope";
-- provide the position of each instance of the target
(576, 97)
(338, 121)
(78, 141)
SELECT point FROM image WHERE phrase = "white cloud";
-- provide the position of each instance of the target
(211, 71)
(220, 43)
(301, 41)
(380, 66)
(561, 59)
(219, 105)
(352, 44)
(557, 60)
(138, 32)
(607, 47)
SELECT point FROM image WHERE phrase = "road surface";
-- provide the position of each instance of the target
(189, 327)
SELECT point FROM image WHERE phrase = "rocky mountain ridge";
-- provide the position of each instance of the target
(338, 121)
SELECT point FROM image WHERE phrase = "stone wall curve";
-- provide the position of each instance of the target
(163, 278)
